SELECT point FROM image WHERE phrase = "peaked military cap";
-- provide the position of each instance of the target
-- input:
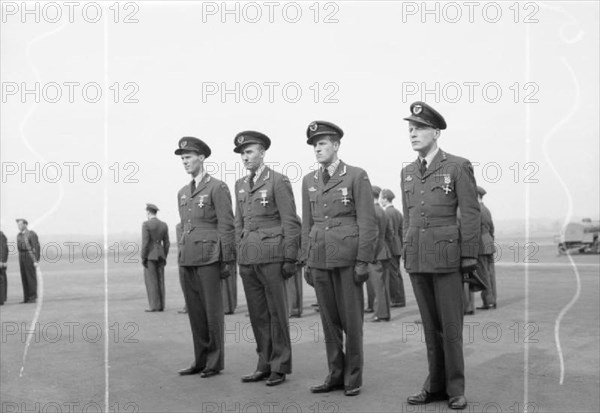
(22, 219)
(191, 144)
(421, 112)
(249, 136)
(481, 191)
(152, 208)
(321, 127)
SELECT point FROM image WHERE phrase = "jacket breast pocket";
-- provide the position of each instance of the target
(343, 199)
(206, 243)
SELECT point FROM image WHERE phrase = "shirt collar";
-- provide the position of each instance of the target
(331, 168)
(430, 156)
(199, 178)
(387, 206)
(259, 171)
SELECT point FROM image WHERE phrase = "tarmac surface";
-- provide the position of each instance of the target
(513, 360)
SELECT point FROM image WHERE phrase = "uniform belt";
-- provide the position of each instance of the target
(334, 222)
(432, 222)
(204, 225)
(255, 225)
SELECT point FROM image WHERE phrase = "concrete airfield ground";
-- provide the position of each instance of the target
(65, 366)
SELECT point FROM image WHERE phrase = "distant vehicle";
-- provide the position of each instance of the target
(580, 238)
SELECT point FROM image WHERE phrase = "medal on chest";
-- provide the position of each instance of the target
(447, 181)
(201, 201)
(345, 199)
(263, 197)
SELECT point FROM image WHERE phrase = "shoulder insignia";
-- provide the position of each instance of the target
(312, 189)
(408, 178)
(241, 191)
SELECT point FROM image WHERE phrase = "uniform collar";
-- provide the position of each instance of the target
(332, 167)
(387, 206)
(430, 156)
(259, 172)
(199, 178)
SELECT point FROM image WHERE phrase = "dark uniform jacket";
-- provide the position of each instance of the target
(395, 218)
(27, 241)
(155, 240)
(267, 227)
(207, 220)
(384, 235)
(486, 247)
(434, 241)
(3, 248)
(338, 219)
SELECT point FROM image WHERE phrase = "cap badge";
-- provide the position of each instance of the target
(313, 127)
(417, 109)
(241, 139)
(183, 144)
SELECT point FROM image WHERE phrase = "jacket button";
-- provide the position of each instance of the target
(423, 230)
(326, 228)
(326, 217)
(422, 192)
(422, 181)
(324, 205)
(422, 202)
(422, 214)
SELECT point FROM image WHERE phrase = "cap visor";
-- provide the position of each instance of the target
(413, 118)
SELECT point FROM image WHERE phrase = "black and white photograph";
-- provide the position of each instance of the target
(299, 206)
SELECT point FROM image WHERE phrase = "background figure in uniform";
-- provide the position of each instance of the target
(3, 260)
(379, 270)
(397, 294)
(487, 248)
(294, 293)
(438, 249)
(339, 233)
(28, 246)
(229, 288)
(268, 237)
(178, 233)
(207, 254)
(155, 248)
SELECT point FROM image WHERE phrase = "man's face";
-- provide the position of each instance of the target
(192, 162)
(253, 156)
(21, 225)
(382, 200)
(422, 137)
(325, 150)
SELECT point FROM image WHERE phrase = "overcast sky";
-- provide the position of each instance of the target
(361, 69)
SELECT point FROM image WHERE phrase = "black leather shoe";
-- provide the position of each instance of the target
(150, 311)
(457, 402)
(369, 310)
(256, 376)
(325, 388)
(379, 319)
(189, 371)
(487, 307)
(208, 373)
(397, 305)
(352, 392)
(182, 311)
(469, 312)
(275, 379)
(424, 397)
(295, 315)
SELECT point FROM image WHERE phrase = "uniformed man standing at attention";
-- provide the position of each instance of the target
(268, 239)
(28, 246)
(339, 233)
(487, 248)
(3, 260)
(207, 252)
(155, 248)
(438, 249)
(397, 294)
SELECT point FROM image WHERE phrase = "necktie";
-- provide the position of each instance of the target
(326, 175)
(193, 185)
(423, 167)
(251, 181)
